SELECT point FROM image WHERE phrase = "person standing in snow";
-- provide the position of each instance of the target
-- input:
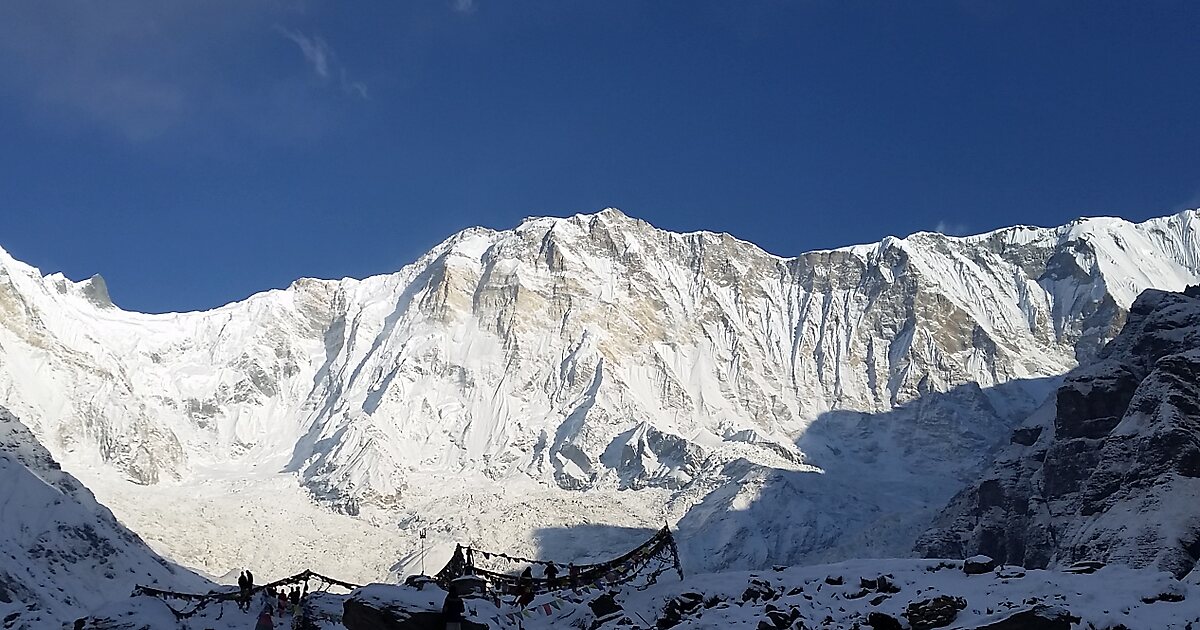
(525, 587)
(452, 610)
(573, 575)
(550, 573)
(283, 604)
(243, 592)
(264, 620)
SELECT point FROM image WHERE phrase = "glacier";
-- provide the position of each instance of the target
(512, 386)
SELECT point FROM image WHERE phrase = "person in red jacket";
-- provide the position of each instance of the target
(264, 620)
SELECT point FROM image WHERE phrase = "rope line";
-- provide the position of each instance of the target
(623, 569)
(205, 599)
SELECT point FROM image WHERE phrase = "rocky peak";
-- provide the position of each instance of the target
(1109, 468)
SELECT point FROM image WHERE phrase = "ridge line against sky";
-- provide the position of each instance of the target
(781, 256)
(197, 152)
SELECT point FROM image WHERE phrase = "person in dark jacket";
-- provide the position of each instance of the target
(573, 575)
(452, 610)
(243, 591)
(525, 587)
(550, 573)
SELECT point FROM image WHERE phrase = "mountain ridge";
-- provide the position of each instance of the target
(1187, 214)
(587, 356)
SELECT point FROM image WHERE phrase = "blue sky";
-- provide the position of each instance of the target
(195, 152)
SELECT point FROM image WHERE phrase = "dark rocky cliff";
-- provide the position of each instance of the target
(1108, 469)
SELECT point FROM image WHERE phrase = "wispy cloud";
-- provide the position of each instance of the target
(315, 50)
(466, 7)
(145, 69)
(354, 88)
(323, 60)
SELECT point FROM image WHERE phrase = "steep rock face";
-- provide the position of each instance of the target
(596, 353)
(1109, 468)
(64, 554)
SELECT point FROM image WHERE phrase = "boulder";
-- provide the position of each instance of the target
(759, 590)
(358, 614)
(885, 585)
(604, 606)
(881, 621)
(677, 608)
(778, 619)
(978, 565)
(934, 613)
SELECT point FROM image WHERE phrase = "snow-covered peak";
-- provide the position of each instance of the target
(589, 356)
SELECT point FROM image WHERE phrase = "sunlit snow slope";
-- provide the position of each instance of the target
(510, 385)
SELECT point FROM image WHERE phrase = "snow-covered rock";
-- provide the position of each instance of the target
(62, 555)
(510, 384)
(1112, 470)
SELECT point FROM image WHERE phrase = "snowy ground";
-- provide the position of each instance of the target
(1110, 598)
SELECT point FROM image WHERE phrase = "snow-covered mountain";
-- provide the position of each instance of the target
(512, 385)
(1109, 468)
(64, 555)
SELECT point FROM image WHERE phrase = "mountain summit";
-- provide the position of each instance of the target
(512, 385)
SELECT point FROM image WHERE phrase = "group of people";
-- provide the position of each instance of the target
(453, 607)
(245, 589)
(277, 601)
(525, 589)
(289, 600)
(281, 602)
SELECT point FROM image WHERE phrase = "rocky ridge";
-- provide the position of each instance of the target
(1108, 469)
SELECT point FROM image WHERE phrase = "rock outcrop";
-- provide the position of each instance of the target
(364, 611)
(1109, 469)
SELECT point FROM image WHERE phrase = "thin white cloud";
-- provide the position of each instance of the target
(353, 88)
(147, 69)
(315, 50)
(323, 60)
(465, 7)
